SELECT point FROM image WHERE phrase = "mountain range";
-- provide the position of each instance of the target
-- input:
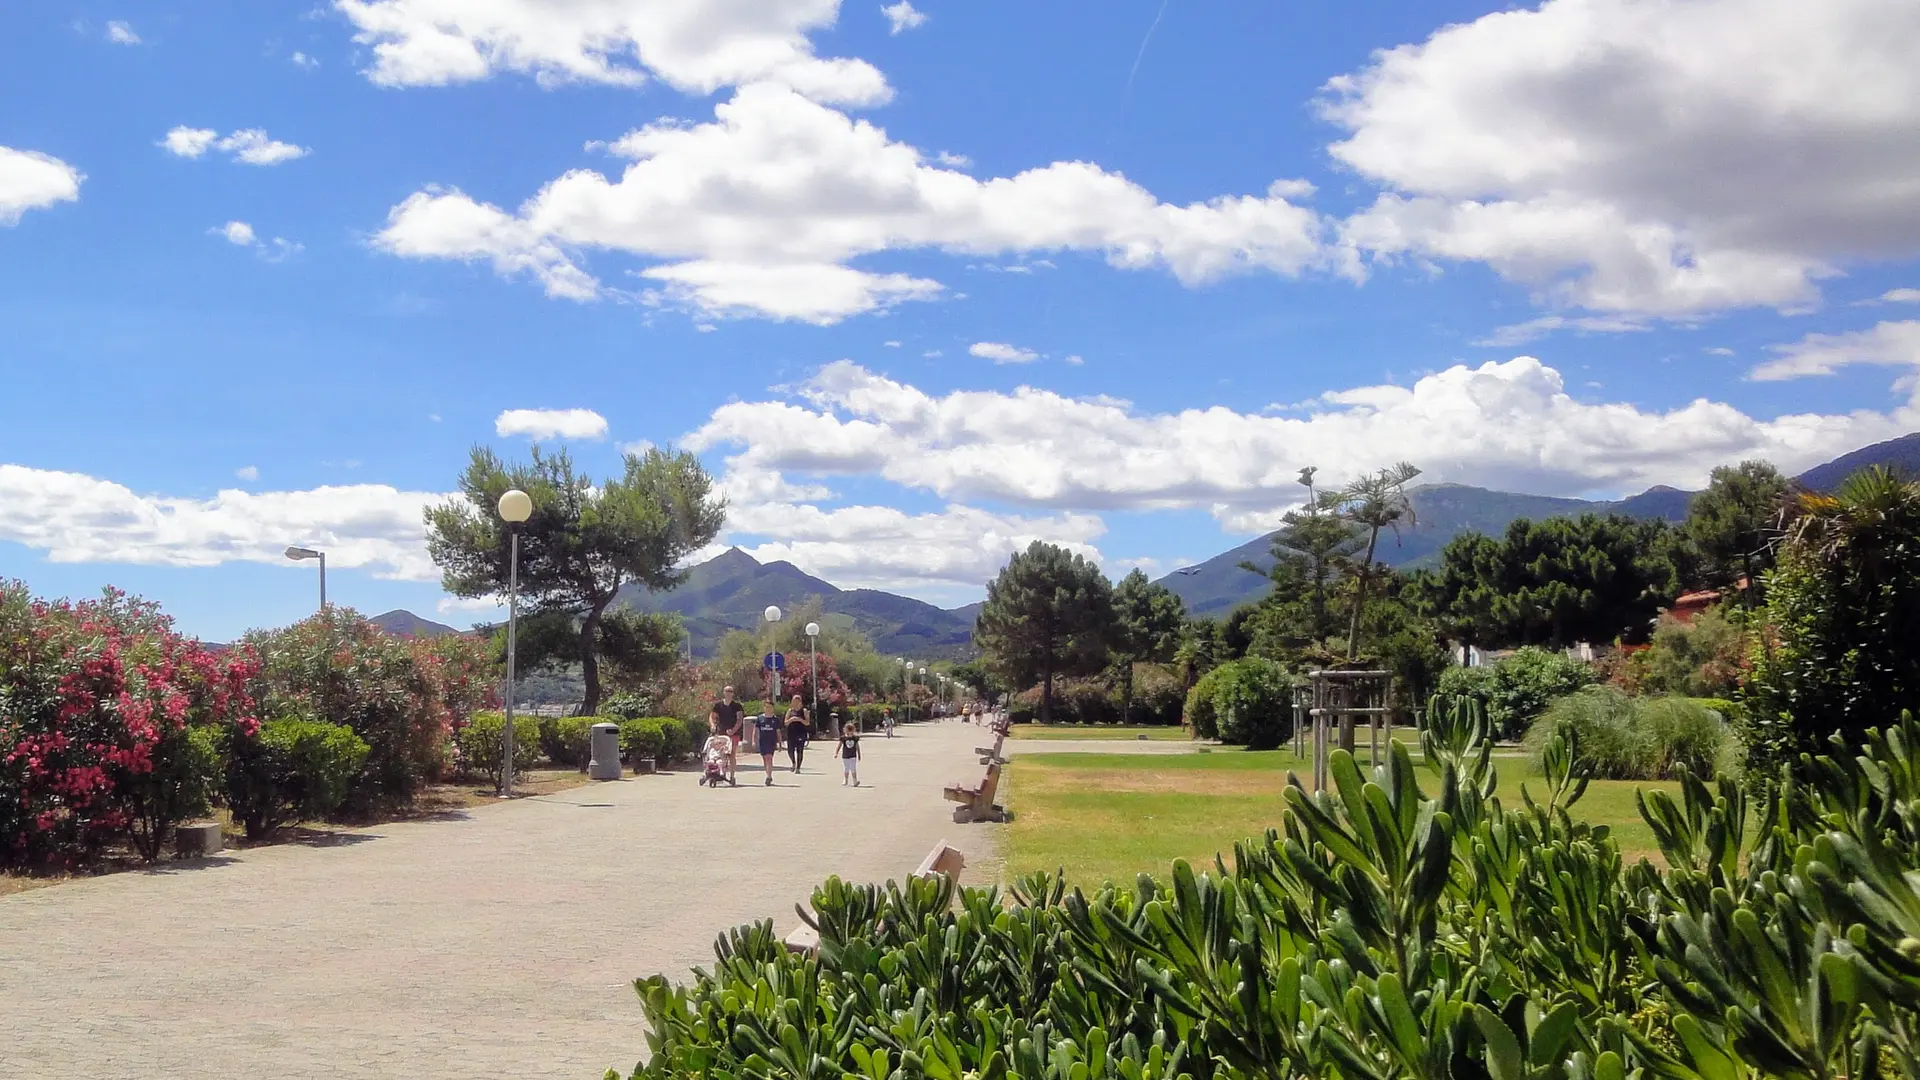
(732, 589)
(729, 591)
(1442, 511)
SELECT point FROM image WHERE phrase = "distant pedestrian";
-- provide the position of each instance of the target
(886, 722)
(798, 729)
(727, 717)
(849, 756)
(766, 729)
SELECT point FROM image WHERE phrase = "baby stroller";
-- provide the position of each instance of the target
(718, 751)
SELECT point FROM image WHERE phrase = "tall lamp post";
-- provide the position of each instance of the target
(813, 669)
(515, 508)
(906, 686)
(772, 615)
(923, 682)
(298, 554)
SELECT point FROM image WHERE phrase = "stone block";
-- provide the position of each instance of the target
(200, 838)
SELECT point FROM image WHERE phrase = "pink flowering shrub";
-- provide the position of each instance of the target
(108, 724)
(404, 697)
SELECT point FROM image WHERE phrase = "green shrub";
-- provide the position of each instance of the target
(1253, 703)
(1516, 689)
(676, 740)
(179, 786)
(1199, 708)
(1157, 695)
(866, 717)
(482, 742)
(293, 770)
(1621, 737)
(642, 739)
(626, 706)
(565, 740)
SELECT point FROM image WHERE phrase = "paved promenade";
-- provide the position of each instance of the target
(503, 944)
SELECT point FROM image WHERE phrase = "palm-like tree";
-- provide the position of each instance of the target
(1863, 523)
(1375, 502)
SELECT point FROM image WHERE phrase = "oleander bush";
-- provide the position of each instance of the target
(1404, 924)
(483, 743)
(108, 726)
(289, 770)
(567, 741)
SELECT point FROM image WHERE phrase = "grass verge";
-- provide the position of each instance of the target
(1114, 816)
(1099, 731)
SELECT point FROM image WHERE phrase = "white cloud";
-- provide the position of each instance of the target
(1533, 329)
(241, 234)
(551, 424)
(694, 47)
(1511, 426)
(301, 59)
(1900, 296)
(761, 211)
(953, 161)
(238, 232)
(1076, 360)
(902, 17)
(251, 146)
(1719, 350)
(1001, 353)
(247, 472)
(637, 447)
(476, 609)
(254, 147)
(1658, 159)
(189, 142)
(934, 354)
(1892, 344)
(890, 344)
(120, 33)
(75, 518)
(31, 181)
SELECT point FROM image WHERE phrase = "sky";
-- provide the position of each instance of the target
(920, 282)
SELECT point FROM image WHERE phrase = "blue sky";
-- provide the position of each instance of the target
(923, 282)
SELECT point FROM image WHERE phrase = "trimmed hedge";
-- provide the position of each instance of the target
(291, 771)
(676, 739)
(566, 740)
(480, 741)
(642, 739)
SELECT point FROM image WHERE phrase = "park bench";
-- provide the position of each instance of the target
(943, 859)
(991, 754)
(976, 801)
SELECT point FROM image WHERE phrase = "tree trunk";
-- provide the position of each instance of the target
(1353, 634)
(590, 660)
(1046, 693)
(1126, 701)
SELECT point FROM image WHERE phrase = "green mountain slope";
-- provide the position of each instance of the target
(729, 592)
(1219, 585)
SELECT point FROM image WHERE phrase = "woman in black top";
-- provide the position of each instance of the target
(797, 731)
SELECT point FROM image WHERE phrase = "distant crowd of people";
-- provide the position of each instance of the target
(728, 725)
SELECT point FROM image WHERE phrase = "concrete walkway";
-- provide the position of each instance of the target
(502, 944)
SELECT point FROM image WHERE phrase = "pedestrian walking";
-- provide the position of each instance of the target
(727, 717)
(766, 729)
(849, 756)
(886, 723)
(798, 730)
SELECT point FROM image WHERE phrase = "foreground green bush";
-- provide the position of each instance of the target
(676, 740)
(1379, 932)
(482, 743)
(1246, 702)
(1638, 738)
(290, 771)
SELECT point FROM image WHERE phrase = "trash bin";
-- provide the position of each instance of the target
(605, 747)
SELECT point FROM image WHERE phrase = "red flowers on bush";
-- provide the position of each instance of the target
(100, 703)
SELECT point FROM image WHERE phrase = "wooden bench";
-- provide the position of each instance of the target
(943, 859)
(976, 801)
(991, 754)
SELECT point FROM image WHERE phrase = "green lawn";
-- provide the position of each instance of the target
(1098, 731)
(1113, 816)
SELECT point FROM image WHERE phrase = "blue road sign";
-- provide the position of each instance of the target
(774, 662)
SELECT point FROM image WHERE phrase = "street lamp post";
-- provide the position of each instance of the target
(298, 554)
(923, 681)
(772, 615)
(906, 686)
(813, 669)
(515, 508)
